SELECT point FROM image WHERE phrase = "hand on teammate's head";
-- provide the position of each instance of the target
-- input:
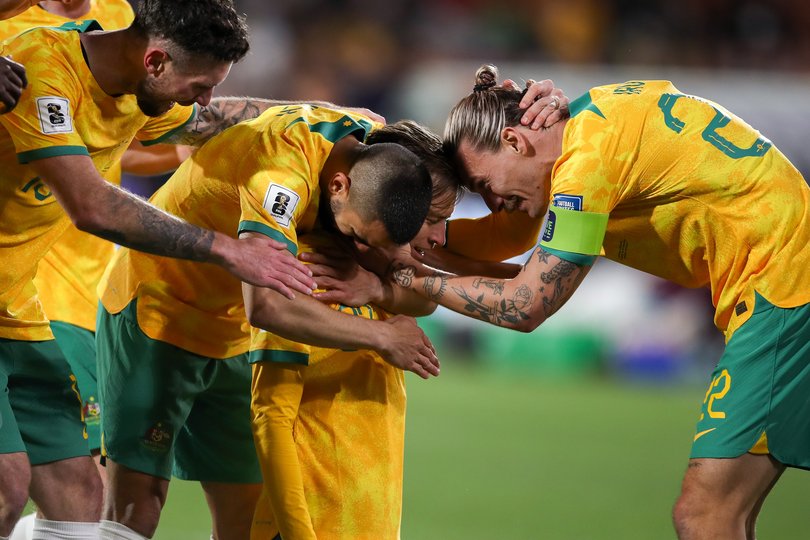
(545, 104)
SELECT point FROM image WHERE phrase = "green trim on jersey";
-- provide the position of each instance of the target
(51, 151)
(261, 228)
(334, 131)
(279, 357)
(574, 231)
(576, 258)
(81, 27)
(172, 131)
(583, 103)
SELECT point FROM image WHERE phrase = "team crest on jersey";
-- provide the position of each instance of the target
(158, 437)
(281, 203)
(569, 202)
(54, 115)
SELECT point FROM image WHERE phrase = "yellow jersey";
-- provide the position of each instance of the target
(62, 112)
(69, 273)
(272, 188)
(692, 194)
(110, 14)
(328, 436)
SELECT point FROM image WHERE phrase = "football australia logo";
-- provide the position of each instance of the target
(281, 203)
(54, 115)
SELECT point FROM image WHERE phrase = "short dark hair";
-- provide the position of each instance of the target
(429, 149)
(390, 184)
(210, 28)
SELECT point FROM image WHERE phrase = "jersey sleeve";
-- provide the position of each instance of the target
(160, 128)
(275, 399)
(584, 190)
(274, 193)
(495, 237)
(42, 124)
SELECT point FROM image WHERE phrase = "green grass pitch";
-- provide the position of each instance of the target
(495, 456)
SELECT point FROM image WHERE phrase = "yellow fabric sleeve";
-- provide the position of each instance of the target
(276, 395)
(495, 237)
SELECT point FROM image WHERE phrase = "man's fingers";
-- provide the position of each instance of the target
(320, 270)
(535, 91)
(328, 297)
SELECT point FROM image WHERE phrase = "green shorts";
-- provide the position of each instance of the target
(168, 411)
(40, 407)
(79, 346)
(758, 398)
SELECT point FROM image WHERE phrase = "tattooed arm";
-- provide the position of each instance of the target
(541, 288)
(98, 207)
(224, 112)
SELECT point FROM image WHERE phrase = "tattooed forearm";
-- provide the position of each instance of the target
(501, 312)
(495, 284)
(435, 286)
(403, 276)
(145, 228)
(218, 116)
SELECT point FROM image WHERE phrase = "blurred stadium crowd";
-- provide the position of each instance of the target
(356, 51)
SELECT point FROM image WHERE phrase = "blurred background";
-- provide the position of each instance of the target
(581, 429)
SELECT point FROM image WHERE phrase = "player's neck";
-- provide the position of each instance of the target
(114, 59)
(69, 10)
(340, 159)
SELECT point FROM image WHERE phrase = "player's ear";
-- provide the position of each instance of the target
(514, 140)
(339, 186)
(154, 61)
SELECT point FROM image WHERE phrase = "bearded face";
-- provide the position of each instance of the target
(152, 98)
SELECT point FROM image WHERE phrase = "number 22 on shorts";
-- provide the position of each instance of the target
(718, 389)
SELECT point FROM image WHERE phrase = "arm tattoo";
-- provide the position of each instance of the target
(216, 117)
(435, 286)
(158, 233)
(495, 284)
(403, 276)
(501, 311)
(560, 277)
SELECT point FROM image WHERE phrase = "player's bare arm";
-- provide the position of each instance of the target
(10, 8)
(98, 207)
(224, 112)
(541, 288)
(347, 281)
(306, 320)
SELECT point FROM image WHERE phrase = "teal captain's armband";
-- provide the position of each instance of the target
(574, 231)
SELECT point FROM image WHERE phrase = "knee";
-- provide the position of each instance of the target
(13, 497)
(694, 515)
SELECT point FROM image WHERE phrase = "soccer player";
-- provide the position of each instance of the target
(677, 186)
(317, 406)
(89, 95)
(173, 338)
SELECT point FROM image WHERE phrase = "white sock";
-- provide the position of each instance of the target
(24, 529)
(45, 529)
(112, 530)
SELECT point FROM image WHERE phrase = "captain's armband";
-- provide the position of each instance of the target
(574, 231)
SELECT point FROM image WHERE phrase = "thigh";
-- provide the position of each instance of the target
(147, 388)
(216, 444)
(79, 347)
(44, 398)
